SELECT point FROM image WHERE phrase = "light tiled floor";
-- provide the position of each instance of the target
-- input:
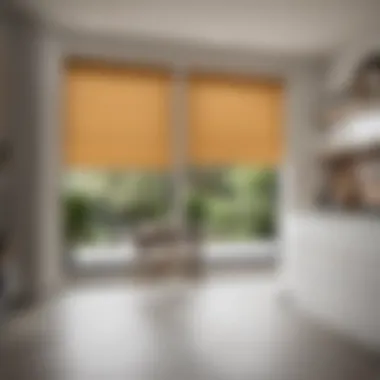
(223, 327)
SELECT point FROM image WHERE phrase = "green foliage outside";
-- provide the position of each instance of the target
(196, 210)
(117, 201)
(229, 203)
(77, 219)
(241, 204)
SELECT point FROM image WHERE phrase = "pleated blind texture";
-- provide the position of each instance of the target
(116, 117)
(235, 120)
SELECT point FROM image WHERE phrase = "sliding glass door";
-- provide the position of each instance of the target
(141, 145)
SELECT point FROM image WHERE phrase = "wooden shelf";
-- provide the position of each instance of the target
(353, 150)
(345, 109)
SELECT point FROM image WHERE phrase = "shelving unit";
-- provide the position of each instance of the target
(350, 154)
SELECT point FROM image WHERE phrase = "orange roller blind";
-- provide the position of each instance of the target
(235, 120)
(116, 117)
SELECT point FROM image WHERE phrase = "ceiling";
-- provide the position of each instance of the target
(294, 27)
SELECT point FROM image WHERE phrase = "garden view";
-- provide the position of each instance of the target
(232, 204)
